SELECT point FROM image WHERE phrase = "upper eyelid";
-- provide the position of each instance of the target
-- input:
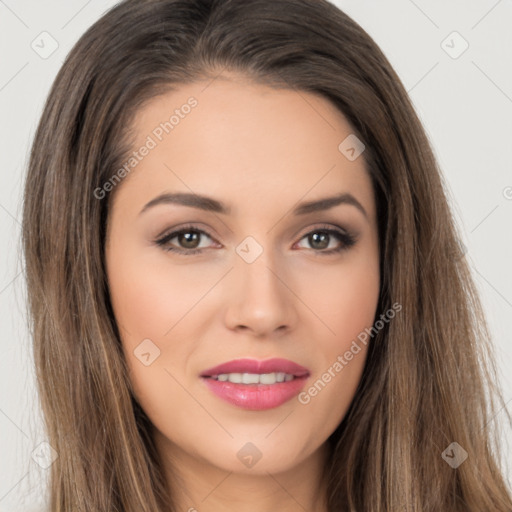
(185, 229)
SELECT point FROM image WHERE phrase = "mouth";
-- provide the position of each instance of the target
(254, 378)
(256, 385)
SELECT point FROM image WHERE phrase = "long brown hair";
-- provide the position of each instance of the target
(430, 377)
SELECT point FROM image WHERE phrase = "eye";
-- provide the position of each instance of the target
(188, 240)
(188, 237)
(320, 238)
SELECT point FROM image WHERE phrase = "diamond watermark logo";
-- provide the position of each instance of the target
(454, 45)
(454, 455)
(44, 45)
(146, 352)
(351, 147)
(249, 455)
(44, 455)
(249, 249)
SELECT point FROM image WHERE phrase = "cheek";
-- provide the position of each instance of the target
(148, 299)
(148, 303)
(343, 298)
(158, 309)
(355, 305)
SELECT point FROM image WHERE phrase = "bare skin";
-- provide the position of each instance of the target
(261, 151)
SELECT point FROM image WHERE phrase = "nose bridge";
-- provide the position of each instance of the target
(261, 302)
(256, 268)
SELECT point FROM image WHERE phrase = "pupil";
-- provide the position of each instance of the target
(189, 243)
(315, 237)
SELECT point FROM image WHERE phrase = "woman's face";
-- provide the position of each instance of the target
(260, 271)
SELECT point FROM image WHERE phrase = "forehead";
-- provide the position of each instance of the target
(235, 139)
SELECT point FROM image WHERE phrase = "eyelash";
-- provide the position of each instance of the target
(347, 240)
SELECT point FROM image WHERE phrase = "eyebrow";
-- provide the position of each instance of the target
(213, 205)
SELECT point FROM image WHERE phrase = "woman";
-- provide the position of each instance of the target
(259, 370)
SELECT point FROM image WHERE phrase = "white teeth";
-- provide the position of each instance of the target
(268, 378)
(254, 378)
(236, 378)
(250, 378)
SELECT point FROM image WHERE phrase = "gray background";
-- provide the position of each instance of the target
(464, 101)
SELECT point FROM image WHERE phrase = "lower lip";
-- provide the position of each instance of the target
(256, 397)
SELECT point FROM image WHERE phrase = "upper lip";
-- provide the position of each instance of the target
(257, 366)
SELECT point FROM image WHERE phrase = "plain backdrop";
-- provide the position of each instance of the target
(454, 58)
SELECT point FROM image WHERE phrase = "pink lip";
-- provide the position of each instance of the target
(256, 397)
(255, 366)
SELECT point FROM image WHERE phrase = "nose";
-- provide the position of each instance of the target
(261, 300)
